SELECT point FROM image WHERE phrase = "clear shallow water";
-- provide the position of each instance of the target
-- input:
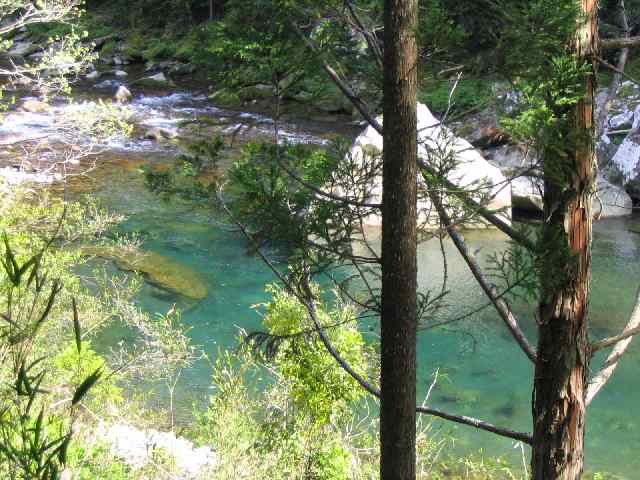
(483, 373)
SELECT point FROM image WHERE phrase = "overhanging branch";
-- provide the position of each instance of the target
(489, 289)
(617, 43)
(621, 343)
(309, 304)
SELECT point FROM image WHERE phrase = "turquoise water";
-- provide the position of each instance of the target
(482, 371)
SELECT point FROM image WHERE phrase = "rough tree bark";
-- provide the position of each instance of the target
(561, 373)
(399, 243)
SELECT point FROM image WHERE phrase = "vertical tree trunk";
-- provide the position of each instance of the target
(399, 239)
(563, 353)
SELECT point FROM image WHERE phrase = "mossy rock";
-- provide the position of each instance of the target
(256, 92)
(464, 397)
(226, 98)
(627, 91)
(157, 269)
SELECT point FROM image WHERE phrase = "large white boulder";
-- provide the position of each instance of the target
(137, 447)
(627, 157)
(610, 201)
(471, 170)
(526, 194)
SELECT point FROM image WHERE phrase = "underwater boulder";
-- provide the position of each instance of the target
(157, 269)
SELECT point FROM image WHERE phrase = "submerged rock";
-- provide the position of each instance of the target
(182, 69)
(157, 269)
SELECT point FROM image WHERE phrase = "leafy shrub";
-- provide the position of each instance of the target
(469, 93)
(269, 199)
(318, 387)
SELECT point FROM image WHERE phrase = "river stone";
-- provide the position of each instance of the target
(21, 36)
(526, 194)
(120, 73)
(611, 200)
(34, 106)
(157, 80)
(99, 42)
(621, 120)
(157, 269)
(136, 447)
(182, 69)
(123, 95)
(627, 157)
(160, 134)
(22, 49)
(472, 170)
(94, 75)
(257, 92)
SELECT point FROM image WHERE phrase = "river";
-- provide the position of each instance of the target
(481, 370)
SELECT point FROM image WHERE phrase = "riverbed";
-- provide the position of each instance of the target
(481, 370)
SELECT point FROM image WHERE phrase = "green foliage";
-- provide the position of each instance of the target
(468, 94)
(258, 435)
(73, 365)
(318, 386)
(440, 35)
(260, 431)
(34, 439)
(47, 339)
(537, 33)
(44, 31)
(160, 49)
(91, 462)
(547, 109)
(268, 198)
(187, 178)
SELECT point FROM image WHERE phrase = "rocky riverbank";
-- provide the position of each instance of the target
(165, 115)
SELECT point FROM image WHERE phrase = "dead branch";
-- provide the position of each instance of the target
(489, 289)
(308, 302)
(621, 343)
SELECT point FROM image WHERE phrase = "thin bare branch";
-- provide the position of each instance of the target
(621, 343)
(616, 43)
(309, 304)
(323, 193)
(489, 289)
(618, 70)
(369, 36)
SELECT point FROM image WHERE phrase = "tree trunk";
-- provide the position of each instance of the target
(399, 240)
(563, 349)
